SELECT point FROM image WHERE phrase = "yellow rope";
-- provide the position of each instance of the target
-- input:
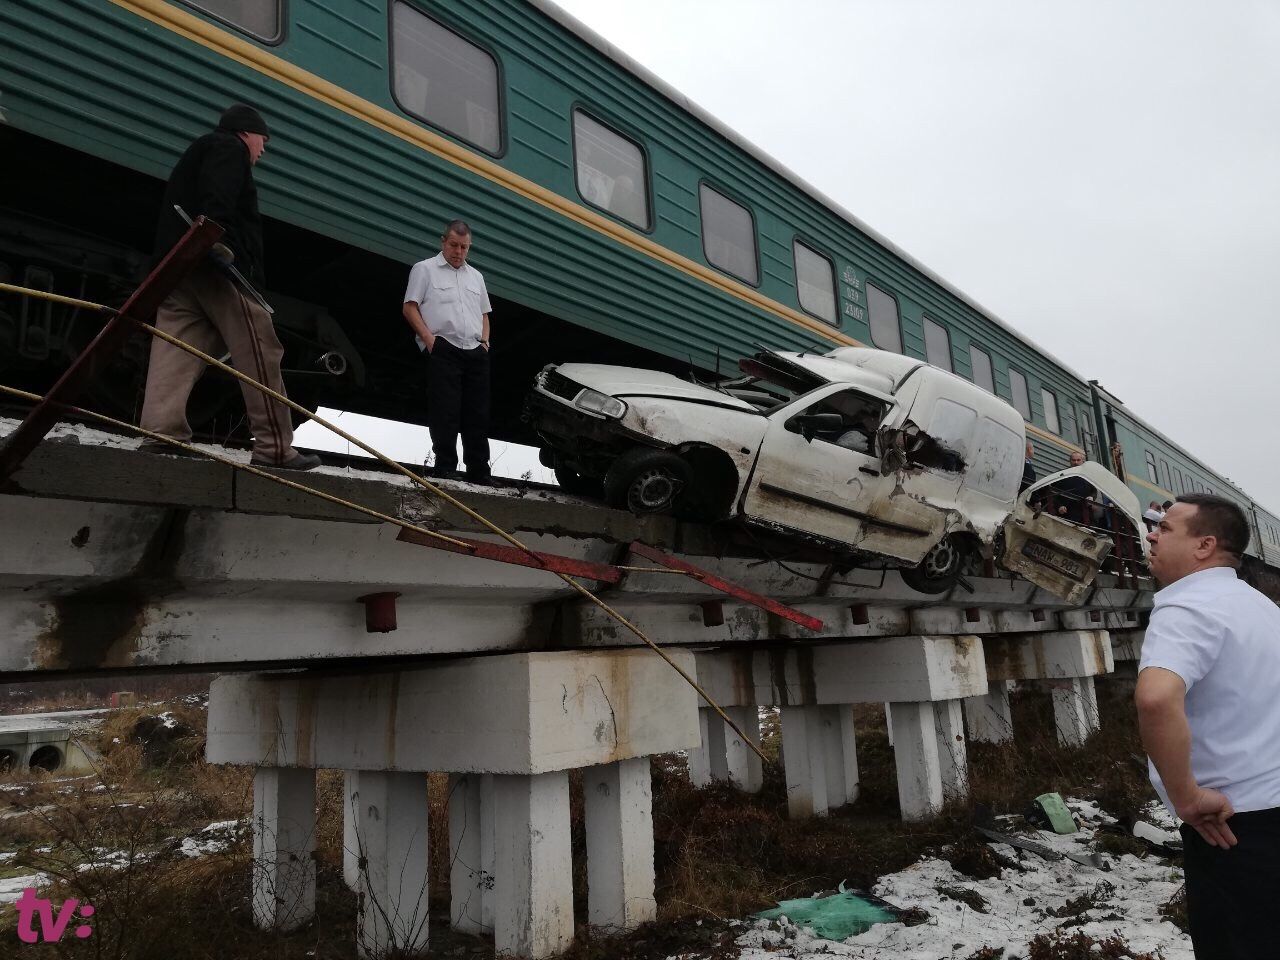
(397, 467)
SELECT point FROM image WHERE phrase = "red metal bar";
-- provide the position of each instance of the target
(724, 586)
(142, 305)
(502, 553)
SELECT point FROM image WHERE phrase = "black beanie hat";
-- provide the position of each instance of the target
(241, 116)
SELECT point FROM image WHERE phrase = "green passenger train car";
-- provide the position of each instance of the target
(614, 221)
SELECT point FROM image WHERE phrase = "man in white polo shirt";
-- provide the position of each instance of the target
(1208, 700)
(447, 306)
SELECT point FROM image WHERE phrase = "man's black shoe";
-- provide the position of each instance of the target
(481, 479)
(441, 473)
(299, 461)
(166, 449)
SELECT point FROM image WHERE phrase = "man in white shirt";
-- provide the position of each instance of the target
(1208, 700)
(447, 306)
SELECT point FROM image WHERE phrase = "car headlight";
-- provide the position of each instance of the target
(593, 401)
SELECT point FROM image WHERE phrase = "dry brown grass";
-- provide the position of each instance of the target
(719, 854)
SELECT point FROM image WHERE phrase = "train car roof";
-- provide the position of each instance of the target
(589, 36)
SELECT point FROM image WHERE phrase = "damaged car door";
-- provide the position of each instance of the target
(819, 473)
(1063, 528)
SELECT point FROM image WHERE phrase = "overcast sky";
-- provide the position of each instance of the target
(1104, 176)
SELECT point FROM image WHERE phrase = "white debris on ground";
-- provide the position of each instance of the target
(1123, 902)
(215, 838)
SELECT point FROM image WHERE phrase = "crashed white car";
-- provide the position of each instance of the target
(868, 454)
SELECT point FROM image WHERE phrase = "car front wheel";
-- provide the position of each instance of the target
(940, 568)
(646, 481)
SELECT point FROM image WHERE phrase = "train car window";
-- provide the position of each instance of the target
(815, 282)
(1151, 468)
(1164, 475)
(1070, 429)
(1021, 400)
(444, 79)
(882, 313)
(1050, 410)
(980, 363)
(729, 236)
(260, 19)
(1179, 480)
(610, 170)
(937, 344)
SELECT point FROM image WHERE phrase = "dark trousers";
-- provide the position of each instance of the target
(1232, 894)
(458, 401)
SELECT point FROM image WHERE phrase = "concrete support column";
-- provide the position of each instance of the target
(284, 842)
(471, 879)
(391, 833)
(888, 721)
(350, 845)
(840, 751)
(989, 717)
(533, 871)
(915, 745)
(805, 761)
(953, 761)
(618, 809)
(700, 756)
(732, 761)
(1075, 710)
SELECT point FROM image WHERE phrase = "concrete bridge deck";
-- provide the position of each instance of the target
(119, 560)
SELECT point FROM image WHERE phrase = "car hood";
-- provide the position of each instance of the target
(638, 382)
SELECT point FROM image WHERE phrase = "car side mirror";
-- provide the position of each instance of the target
(811, 424)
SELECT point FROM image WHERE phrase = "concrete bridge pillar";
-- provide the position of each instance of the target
(953, 754)
(731, 760)
(390, 823)
(1066, 661)
(618, 808)
(284, 842)
(804, 760)
(1075, 709)
(471, 832)
(989, 717)
(915, 746)
(533, 869)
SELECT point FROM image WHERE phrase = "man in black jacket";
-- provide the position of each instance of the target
(208, 310)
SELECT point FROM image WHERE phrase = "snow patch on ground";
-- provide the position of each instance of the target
(215, 838)
(11, 888)
(1127, 900)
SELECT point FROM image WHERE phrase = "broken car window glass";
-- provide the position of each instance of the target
(860, 419)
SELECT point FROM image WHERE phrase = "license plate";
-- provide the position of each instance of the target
(1040, 553)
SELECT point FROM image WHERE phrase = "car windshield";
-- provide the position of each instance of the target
(770, 381)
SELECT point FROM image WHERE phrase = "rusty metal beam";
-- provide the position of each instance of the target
(141, 305)
(724, 586)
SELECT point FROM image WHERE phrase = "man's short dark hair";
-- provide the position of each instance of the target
(458, 227)
(1166, 505)
(1218, 517)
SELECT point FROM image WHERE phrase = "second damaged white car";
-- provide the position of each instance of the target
(871, 455)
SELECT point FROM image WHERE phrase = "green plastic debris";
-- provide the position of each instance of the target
(835, 917)
(1056, 811)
